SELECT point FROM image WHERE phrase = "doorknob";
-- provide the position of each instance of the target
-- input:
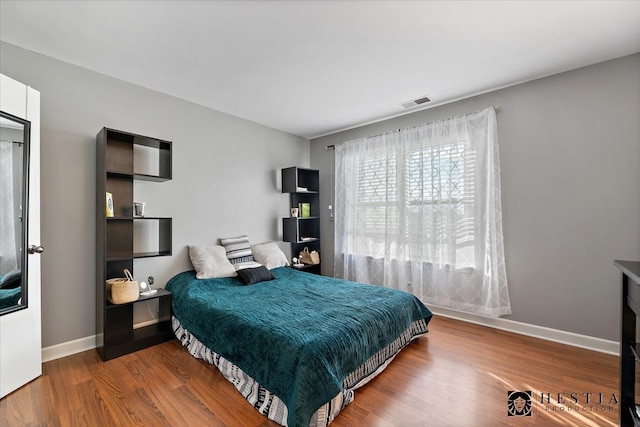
(33, 249)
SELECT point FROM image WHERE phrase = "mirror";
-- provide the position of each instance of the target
(14, 183)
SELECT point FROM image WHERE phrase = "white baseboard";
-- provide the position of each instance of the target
(68, 348)
(549, 334)
(577, 340)
(76, 346)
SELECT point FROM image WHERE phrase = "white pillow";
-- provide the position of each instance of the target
(211, 262)
(270, 255)
(249, 264)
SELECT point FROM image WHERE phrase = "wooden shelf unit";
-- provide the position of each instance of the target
(121, 338)
(629, 348)
(303, 186)
(115, 155)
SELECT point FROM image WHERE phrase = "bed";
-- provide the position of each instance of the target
(10, 297)
(297, 346)
(10, 289)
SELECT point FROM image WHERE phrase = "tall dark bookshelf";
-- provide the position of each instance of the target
(303, 186)
(629, 347)
(115, 334)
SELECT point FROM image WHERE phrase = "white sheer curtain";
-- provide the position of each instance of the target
(8, 256)
(419, 210)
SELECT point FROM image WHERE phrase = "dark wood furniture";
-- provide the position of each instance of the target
(629, 347)
(115, 153)
(303, 186)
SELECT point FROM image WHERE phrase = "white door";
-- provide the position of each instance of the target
(20, 330)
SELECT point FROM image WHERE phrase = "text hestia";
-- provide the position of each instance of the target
(578, 398)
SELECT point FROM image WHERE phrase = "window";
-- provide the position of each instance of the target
(425, 194)
(419, 209)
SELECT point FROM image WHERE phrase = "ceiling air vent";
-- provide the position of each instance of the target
(415, 102)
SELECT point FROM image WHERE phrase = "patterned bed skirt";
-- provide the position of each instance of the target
(270, 405)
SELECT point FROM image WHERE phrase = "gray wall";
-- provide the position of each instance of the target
(224, 179)
(570, 159)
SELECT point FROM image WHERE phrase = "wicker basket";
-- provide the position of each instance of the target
(122, 290)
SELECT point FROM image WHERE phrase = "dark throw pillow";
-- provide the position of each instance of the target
(254, 275)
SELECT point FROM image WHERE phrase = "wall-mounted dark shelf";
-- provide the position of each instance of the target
(160, 293)
(300, 180)
(117, 154)
(301, 230)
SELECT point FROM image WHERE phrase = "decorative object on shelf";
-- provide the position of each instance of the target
(109, 204)
(294, 212)
(142, 287)
(305, 210)
(139, 209)
(145, 290)
(307, 257)
(123, 289)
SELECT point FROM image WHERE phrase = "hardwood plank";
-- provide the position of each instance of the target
(233, 407)
(458, 375)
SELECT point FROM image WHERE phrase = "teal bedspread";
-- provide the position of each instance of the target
(10, 297)
(298, 336)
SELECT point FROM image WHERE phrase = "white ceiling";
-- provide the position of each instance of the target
(315, 67)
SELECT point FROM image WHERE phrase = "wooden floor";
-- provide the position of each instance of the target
(459, 375)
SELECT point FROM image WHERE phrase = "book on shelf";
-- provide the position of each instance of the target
(305, 210)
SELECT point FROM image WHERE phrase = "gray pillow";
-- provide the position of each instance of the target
(270, 255)
(211, 262)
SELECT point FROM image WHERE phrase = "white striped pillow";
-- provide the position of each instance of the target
(237, 249)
